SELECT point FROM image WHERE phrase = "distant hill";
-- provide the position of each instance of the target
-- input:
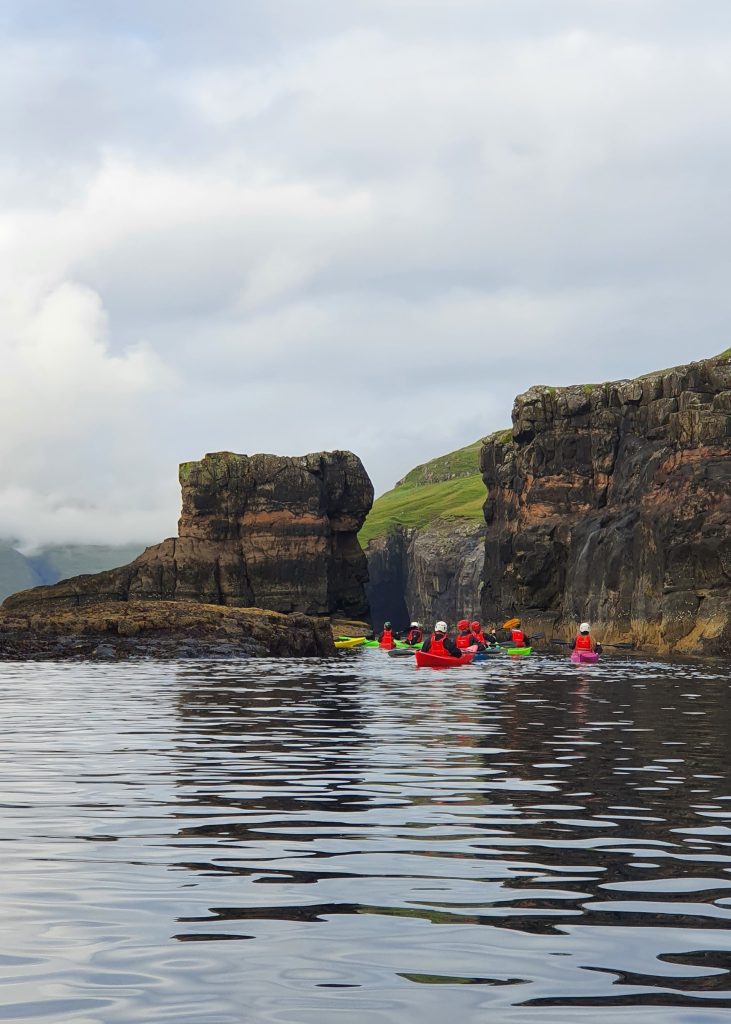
(58, 562)
(447, 487)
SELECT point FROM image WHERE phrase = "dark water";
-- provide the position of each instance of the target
(359, 841)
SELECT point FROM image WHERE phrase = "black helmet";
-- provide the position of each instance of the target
(386, 625)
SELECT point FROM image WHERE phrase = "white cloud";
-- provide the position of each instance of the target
(365, 227)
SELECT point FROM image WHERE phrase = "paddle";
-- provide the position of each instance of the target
(622, 647)
(401, 652)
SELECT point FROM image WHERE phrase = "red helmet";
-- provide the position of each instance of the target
(475, 626)
(463, 624)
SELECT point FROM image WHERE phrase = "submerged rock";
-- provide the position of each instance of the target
(612, 503)
(255, 531)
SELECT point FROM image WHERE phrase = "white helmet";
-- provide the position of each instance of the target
(584, 627)
(414, 625)
(441, 627)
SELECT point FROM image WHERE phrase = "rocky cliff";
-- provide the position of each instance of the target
(612, 503)
(262, 530)
(425, 542)
(433, 572)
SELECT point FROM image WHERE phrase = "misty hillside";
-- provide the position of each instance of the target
(57, 562)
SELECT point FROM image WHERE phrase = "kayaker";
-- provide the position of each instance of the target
(440, 643)
(584, 642)
(415, 634)
(464, 633)
(491, 636)
(478, 637)
(387, 634)
(518, 636)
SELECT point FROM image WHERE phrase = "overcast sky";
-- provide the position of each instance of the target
(294, 225)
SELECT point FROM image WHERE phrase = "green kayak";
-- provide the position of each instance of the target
(518, 652)
(397, 644)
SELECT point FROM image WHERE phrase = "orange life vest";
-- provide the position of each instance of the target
(583, 642)
(437, 647)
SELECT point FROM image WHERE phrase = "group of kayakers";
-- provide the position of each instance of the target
(470, 634)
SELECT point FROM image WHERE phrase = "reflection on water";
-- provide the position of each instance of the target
(360, 841)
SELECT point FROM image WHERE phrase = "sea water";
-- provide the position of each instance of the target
(356, 840)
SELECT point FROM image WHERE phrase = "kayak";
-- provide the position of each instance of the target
(424, 659)
(485, 655)
(584, 657)
(396, 645)
(519, 652)
(345, 643)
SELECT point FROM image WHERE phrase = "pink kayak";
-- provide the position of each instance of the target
(426, 660)
(584, 657)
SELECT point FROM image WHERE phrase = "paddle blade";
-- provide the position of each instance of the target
(510, 623)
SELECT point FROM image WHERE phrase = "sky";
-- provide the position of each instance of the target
(290, 226)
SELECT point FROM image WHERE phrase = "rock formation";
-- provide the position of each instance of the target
(612, 503)
(261, 530)
(116, 630)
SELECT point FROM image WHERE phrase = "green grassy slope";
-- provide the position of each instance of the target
(448, 487)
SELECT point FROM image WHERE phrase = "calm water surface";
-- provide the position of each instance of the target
(359, 841)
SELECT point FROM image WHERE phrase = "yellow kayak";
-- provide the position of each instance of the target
(345, 643)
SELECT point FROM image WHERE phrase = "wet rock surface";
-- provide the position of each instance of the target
(612, 503)
(111, 631)
(255, 531)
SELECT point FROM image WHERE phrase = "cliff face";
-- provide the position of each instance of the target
(426, 574)
(613, 504)
(261, 530)
(426, 542)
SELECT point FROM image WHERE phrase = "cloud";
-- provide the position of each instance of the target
(365, 225)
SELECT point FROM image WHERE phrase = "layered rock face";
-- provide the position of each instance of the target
(261, 530)
(426, 574)
(612, 503)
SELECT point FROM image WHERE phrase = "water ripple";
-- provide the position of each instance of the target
(354, 839)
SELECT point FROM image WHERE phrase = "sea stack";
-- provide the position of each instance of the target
(259, 531)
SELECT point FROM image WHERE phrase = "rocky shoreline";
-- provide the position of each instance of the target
(163, 630)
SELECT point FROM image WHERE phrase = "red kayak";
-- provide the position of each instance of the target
(426, 660)
(584, 657)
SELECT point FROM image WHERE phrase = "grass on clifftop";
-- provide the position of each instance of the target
(448, 487)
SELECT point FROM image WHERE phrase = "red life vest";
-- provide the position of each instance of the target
(518, 637)
(387, 638)
(583, 642)
(437, 647)
(463, 639)
(414, 636)
(480, 637)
